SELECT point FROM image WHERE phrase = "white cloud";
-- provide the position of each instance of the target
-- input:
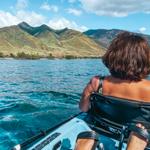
(48, 7)
(35, 19)
(21, 4)
(31, 17)
(62, 23)
(142, 29)
(75, 12)
(116, 8)
(7, 18)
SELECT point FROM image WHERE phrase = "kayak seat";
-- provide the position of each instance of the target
(109, 115)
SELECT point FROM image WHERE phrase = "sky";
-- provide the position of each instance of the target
(131, 15)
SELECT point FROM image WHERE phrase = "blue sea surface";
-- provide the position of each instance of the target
(38, 94)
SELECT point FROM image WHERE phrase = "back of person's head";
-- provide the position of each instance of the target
(128, 57)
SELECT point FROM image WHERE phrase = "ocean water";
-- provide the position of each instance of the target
(38, 94)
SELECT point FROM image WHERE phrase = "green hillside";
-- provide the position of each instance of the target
(13, 40)
(25, 41)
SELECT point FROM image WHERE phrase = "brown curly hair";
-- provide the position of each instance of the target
(128, 57)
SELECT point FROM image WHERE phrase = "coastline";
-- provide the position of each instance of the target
(47, 58)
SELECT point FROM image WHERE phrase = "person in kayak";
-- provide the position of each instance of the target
(128, 60)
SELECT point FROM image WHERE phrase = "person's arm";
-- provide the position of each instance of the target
(136, 142)
(92, 86)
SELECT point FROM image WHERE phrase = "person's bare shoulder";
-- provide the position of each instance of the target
(144, 90)
(95, 82)
(146, 85)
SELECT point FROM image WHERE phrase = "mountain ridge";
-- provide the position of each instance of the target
(105, 36)
(42, 41)
(26, 41)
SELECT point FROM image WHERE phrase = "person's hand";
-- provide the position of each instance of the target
(136, 142)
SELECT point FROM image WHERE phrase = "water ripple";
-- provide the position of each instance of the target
(37, 94)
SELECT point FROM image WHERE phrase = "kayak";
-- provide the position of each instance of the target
(112, 118)
(64, 137)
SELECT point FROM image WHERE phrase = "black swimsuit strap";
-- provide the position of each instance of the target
(101, 80)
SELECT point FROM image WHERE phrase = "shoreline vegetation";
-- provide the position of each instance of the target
(23, 55)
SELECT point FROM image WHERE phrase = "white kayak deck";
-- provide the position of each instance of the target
(64, 137)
